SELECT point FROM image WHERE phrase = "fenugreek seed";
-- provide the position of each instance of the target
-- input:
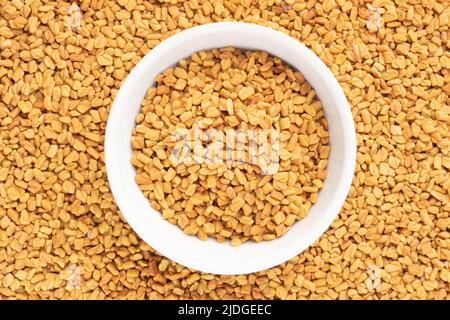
(105, 60)
(235, 242)
(309, 285)
(13, 193)
(158, 191)
(246, 220)
(237, 204)
(246, 92)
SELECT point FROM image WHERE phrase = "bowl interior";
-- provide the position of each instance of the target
(210, 256)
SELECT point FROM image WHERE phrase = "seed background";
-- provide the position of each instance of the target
(61, 234)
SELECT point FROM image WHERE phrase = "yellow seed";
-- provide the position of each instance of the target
(235, 242)
(246, 92)
(158, 191)
(105, 60)
(237, 204)
(13, 193)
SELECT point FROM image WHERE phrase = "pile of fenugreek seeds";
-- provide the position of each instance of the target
(265, 150)
(61, 235)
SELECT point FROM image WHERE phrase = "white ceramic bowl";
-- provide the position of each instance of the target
(211, 256)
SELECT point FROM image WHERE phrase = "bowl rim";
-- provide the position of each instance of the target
(336, 203)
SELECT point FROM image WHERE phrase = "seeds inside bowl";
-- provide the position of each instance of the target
(231, 144)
